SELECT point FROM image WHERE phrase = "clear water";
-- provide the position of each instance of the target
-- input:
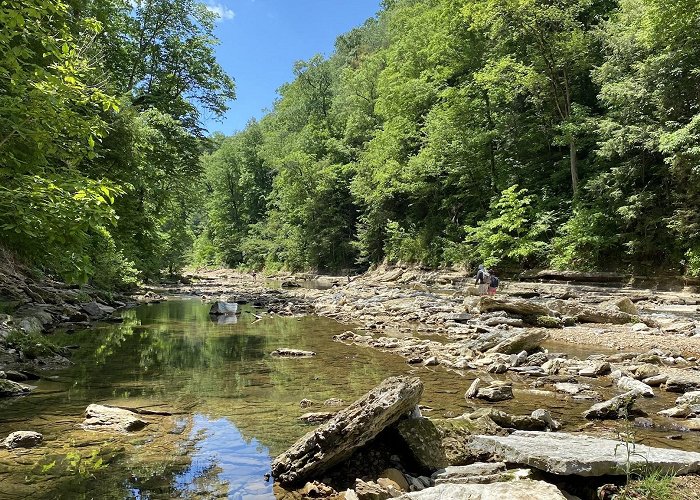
(232, 406)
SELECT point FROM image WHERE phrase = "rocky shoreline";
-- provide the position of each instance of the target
(435, 320)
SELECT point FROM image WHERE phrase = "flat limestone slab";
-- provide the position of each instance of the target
(582, 455)
(524, 489)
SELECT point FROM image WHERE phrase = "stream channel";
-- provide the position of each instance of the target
(221, 406)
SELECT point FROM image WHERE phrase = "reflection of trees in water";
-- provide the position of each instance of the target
(163, 469)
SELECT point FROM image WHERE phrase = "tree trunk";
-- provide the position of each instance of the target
(574, 165)
(492, 147)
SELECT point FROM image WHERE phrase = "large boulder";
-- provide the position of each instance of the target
(578, 454)
(438, 443)
(626, 305)
(99, 417)
(524, 489)
(630, 384)
(22, 439)
(351, 428)
(10, 388)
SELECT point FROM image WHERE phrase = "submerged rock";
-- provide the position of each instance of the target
(22, 439)
(220, 308)
(283, 352)
(576, 454)
(99, 417)
(349, 429)
(10, 388)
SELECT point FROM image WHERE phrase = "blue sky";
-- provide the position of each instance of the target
(261, 40)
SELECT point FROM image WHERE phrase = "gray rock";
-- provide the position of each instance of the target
(646, 370)
(627, 306)
(96, 310)
(10, 388)
(692, 397)
(22, 439)
(223, 308)
(595, 370)
(525, 489)
(473, 389)
(369, 490)
(475, 469)
(498, 368)
(546, 417)
(617, 407)
(680, 411)
(569, 388)
(349, 429)
(577, 454)
(525, 340)
(682, 384)
(30, 325)
(656, 380)
(630, 384)
(496, 392)
(317, 417)
(518, 307)
(100, 417)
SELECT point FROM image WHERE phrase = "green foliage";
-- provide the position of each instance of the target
(512, 233)
(398, 146)
(33, 345)
(100, 133)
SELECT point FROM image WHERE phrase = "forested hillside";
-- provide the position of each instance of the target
(521, 133)
(101, 105)
(516, 132)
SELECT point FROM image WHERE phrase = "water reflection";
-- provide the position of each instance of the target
(239, 403)
(224, 462)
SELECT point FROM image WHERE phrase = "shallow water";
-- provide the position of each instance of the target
(234, 406)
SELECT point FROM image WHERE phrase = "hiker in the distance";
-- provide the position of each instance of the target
(493, 282)
(483, 280)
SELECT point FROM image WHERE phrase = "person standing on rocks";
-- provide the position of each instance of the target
(482, 280)
(493, 282)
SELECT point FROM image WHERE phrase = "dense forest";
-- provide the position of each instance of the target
(520, 133)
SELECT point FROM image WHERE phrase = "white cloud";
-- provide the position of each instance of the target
(222, 11)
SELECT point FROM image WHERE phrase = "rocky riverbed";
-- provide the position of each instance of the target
(627, 356)
(568, 364)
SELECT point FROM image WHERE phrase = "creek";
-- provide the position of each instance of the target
(232, 407)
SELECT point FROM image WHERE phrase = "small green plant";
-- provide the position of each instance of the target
(640, 482)
(656, 485)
